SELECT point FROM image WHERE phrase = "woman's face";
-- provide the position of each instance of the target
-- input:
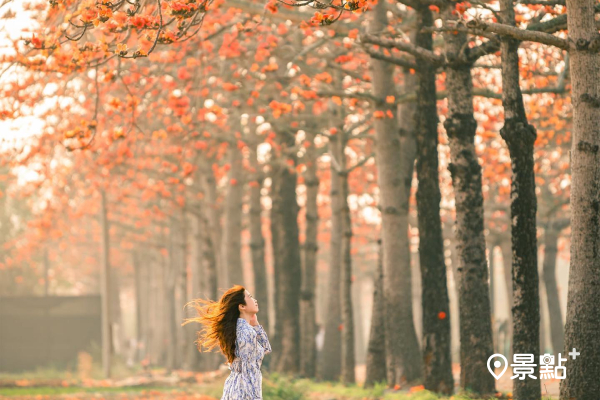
(251, 303)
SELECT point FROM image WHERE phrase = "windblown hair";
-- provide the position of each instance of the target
(219, 321)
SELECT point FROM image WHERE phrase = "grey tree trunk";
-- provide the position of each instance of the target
(476, 342)
(395, 155)
(170, 277)
(308, 354)
(212, 215)
(582, 329)
(506, 249)
(330, 367)
(348, 342)
(257, 245)
(519, 137)
(275, 216)
(359, 324)
(290, 279)
(557, 334)
(376, 352)
(436, 310)
(105, 289)
(232, 234)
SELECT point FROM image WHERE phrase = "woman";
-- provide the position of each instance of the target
(232, 324)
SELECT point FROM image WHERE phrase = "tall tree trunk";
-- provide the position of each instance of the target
(506, 249)
(519, 137)
(436, 319)
(376, 352)
(308, 353)
(232, 239)
(549, 274)
(359, 324)
(257, 244)
(330, 368)
(476, 343)
(290, 280)
(212, 215)
(105, 289)
(170, 276)
(275, 223)
(582, 329)
(348, 356)
(395, 155)
(140, 307)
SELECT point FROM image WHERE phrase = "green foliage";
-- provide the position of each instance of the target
(280, 387)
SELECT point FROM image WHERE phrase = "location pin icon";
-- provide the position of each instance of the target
(497, 364)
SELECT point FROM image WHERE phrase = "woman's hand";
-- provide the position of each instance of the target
(254, 320)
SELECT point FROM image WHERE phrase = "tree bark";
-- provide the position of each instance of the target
(348, 342)
(257, 244)
(290, 279)
(308, 354)
(376, 352)
(557, 334)
(105, 289)
(212, 216)
(519, 137)
(170, 277)
(232, 239)
(395, 155)
(474, 302)
(582, 329)
(331, 366)
(436, 319)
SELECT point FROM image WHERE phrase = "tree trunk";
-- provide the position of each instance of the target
(332, 347)
(308, 354)
(506, 249)
(212, 216)
(170, 276)
(359, 320)
(376, 352)
(436, 318)
(519, 137)
(105, 289)
(582, 329)
(549, 274)
(275, 216)
(290, 279)
(232, 239)
(474, 302)
(257, 244)
(348, 356)
(395, 154)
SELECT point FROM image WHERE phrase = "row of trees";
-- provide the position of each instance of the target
(196, 155)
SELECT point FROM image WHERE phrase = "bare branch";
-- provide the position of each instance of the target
(410, 48)
(518, 34)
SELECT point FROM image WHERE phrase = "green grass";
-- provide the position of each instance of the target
(55, 391)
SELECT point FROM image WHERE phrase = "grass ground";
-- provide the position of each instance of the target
(54, 384)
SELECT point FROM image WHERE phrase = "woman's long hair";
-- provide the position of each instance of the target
(219, 321)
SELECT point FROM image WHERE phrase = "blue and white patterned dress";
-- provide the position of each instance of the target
(245, 379)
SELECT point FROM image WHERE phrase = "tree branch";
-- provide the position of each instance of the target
(518, 34)
(410, 48)
(403, 62)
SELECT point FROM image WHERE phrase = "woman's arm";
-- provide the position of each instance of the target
(262, 338)
(247, 347)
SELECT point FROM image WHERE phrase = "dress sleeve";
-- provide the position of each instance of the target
(263, 340)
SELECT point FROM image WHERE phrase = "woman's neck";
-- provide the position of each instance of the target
(245, 316)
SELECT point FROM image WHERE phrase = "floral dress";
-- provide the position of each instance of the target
(245, 379)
